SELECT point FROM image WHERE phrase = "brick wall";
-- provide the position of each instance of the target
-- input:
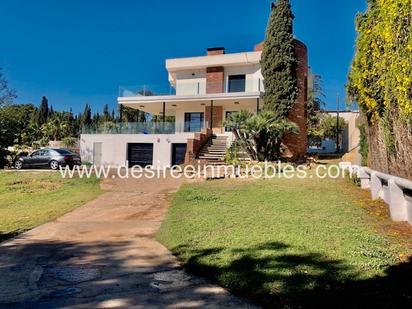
(215, 51)
(297, 144)
(195, 144)
(215, 80)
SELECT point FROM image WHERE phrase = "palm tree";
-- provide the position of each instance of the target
(260, 135)
(56, 128)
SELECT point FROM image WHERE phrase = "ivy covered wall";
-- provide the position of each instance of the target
(380, 81)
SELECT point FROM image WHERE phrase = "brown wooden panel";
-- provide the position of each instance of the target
(217, 118)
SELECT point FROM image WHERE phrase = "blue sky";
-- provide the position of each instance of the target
(80, 51)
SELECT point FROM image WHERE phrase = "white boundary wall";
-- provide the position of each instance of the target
(395, 191)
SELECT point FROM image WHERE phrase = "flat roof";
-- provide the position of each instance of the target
(188, 98)
(244, 58)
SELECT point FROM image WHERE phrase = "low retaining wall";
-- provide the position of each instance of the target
(395, 191)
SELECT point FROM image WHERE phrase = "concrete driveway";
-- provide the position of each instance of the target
(104, 255)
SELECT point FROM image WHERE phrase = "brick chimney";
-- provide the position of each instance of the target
(213, 51)
(259, 47)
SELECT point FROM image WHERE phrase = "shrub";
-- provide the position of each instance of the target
(69, 142)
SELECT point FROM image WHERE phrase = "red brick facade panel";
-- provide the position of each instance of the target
(298, 143)
(215, 80)
(213, 51)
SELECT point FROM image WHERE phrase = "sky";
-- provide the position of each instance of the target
(81, 51)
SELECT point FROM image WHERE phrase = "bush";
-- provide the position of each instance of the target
(69, 142)
(363, 144)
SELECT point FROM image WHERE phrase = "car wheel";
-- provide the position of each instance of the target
(18, 165)
(54, 165)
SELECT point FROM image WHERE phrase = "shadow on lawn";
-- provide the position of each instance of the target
(40, 274)
(112, 274)
(300, 281)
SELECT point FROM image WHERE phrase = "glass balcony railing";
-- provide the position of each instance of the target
(145, 128)
(146, 90)
(189, 87)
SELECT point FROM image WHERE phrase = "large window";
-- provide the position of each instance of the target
(237, 83)
(194, 122)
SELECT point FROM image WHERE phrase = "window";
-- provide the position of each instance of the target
(227, 115)
(237, 83)
(63, 151)
(193, 122)
(36, 153)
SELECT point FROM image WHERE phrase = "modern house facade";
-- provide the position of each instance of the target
(202, 92)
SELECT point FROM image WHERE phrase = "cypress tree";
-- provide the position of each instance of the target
(42, 112)
(106, 114)
(86, 119)
(279, 62)
(51, 111)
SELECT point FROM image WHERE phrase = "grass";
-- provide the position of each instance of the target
(29, 199)
(290, 243)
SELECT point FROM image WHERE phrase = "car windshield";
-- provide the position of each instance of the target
(63, 151)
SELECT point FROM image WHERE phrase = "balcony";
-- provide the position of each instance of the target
(145, 128)
(187, 87)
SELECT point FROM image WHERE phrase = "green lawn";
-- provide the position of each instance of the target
(291, 243)
(28, 199)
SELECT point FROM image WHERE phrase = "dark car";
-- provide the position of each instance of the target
(51, 158)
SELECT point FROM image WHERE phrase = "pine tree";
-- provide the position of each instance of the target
(279, 62)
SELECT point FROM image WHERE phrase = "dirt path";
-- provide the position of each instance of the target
(104, 255)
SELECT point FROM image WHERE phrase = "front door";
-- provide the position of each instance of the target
(178, 154)
(217, 118)
(97, 154)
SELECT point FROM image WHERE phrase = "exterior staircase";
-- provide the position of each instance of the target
(214, 152)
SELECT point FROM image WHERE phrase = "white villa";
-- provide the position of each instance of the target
(203, 91)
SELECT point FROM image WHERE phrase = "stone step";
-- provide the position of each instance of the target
(212, 158)
(222, 151)
(215, 152)
(218, 146)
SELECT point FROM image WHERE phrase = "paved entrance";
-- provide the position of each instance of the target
(104, 255)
